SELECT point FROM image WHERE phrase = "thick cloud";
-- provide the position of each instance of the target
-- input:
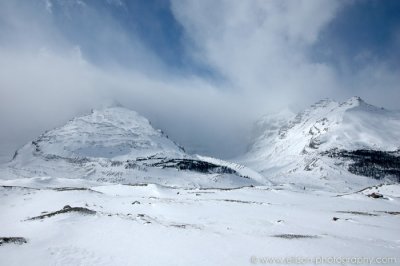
(261, 46)
(273, 49)
(237, 60)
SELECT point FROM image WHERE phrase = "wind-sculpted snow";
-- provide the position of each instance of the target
(300, 146)
(148, 224)
(118, 145)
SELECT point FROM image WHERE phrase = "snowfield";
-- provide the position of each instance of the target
(156, 225)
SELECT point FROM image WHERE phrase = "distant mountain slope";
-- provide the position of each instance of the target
(118, 145)
(329, 141)
(114, 132)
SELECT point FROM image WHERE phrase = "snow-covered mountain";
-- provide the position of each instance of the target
(81, 194)
(118, 145)
(114, 132)
(331, 142)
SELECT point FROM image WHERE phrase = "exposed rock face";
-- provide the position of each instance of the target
(372, 163)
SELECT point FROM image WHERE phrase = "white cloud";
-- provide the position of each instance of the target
(261, 46)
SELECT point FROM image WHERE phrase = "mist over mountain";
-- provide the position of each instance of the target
(203, 84)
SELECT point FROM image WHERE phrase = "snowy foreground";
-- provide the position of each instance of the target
(112, 224)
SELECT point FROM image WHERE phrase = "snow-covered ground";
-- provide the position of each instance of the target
(157, 225)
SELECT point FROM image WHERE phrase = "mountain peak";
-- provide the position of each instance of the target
(112, 132)
(355, 101)
(299, 144)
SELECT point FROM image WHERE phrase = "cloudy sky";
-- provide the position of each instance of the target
(203, 71)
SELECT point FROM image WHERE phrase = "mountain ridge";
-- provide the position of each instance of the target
(117, 145)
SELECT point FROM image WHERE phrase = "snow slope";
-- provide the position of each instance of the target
(303, 148)
(157, 225)
(118, 145)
